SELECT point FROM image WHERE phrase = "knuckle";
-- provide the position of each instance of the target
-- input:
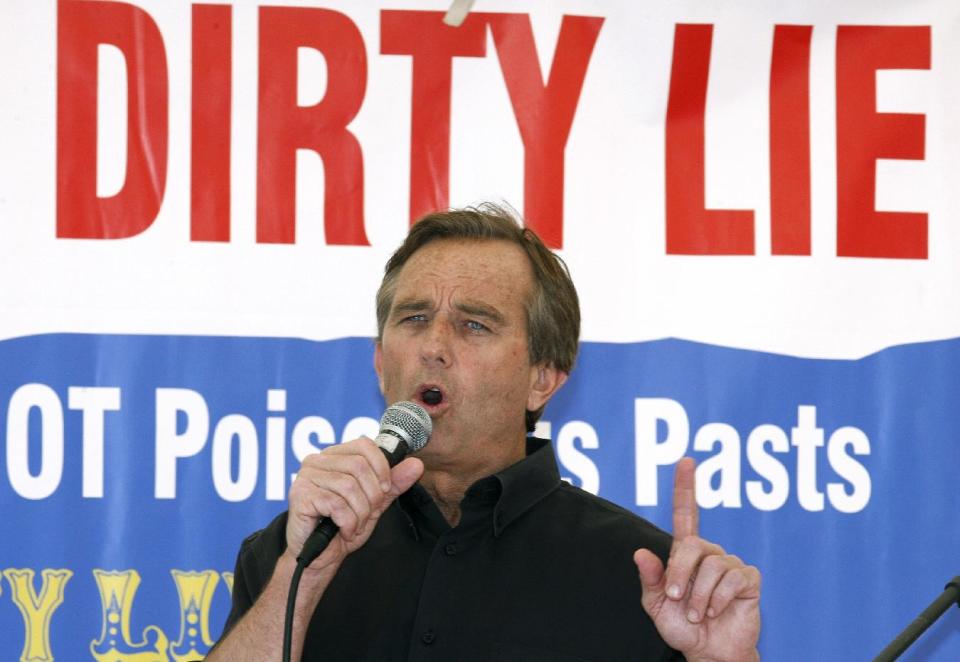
(311, 461)
(347, 524)
(376, 500)
(732, 584)
(341, 513)
(305, 495)
(687, 548)
(363, 509)
(747, 579)
(741, 581)
(296, 490)
(719, 602)
(364, 445)
(726, 593)
(355, 464)
(679, 568)
(700, 595)
(714, 564)
(316, 505)
(342, 483)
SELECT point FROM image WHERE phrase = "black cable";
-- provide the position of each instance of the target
(291, 604)
(405, 426)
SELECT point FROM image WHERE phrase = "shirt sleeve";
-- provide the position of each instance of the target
(255, 563)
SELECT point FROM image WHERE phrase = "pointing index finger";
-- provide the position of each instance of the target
(686, 517)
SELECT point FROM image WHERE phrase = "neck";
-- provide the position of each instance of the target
(447, 491)
(447, 485)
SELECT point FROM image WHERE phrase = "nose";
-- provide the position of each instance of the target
(436, 350)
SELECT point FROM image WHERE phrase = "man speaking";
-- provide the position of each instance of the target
(473, 548)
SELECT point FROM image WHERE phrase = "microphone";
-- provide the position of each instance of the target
(404, 428)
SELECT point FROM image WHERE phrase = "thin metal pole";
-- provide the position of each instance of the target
(950, 595)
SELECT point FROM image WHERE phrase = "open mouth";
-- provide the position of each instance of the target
(432, 396)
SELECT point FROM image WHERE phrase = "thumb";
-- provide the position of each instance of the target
(652, 576)
(404, 475)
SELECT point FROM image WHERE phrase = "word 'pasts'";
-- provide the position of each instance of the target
(243, 453)
(764, 445)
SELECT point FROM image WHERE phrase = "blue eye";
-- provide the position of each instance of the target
(474, 325)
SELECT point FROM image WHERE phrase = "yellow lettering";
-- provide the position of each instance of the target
(196, 593)
(117, 591)
(36, 610)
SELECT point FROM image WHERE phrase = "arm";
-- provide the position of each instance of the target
(259, 634)
(705, 603)
(352, 484)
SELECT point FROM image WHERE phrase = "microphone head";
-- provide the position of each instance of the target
(409, 420)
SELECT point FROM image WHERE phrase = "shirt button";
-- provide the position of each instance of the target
(428, 637)
(450, 549)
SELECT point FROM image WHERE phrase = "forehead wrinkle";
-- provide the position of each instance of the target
(437, 277)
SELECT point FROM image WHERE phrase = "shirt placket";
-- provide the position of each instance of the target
(447, 583)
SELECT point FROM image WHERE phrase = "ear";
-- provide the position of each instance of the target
(545, 381)
(378, 363)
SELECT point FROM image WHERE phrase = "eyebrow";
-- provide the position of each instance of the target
(480, 310)
(472, 309)
(409, 306)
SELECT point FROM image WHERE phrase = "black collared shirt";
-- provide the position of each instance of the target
(535, 570)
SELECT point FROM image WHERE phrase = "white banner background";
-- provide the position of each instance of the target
(178, 294)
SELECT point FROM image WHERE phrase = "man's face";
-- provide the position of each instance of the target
(455, 342)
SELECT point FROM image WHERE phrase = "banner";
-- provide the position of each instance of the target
(756, 202)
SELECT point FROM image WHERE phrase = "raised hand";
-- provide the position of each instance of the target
(706, 603)
(352, 484)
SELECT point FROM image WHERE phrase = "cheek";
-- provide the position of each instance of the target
(509, 383)
(389, 374)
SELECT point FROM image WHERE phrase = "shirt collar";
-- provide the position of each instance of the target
(513, 491)
(524, 484)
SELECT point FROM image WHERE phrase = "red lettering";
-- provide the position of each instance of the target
(864, 135)
(790, 140)
(210, 119)
(544, 112)
(433, 45)
(691, 228)
(81, 27)
(283, 126)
